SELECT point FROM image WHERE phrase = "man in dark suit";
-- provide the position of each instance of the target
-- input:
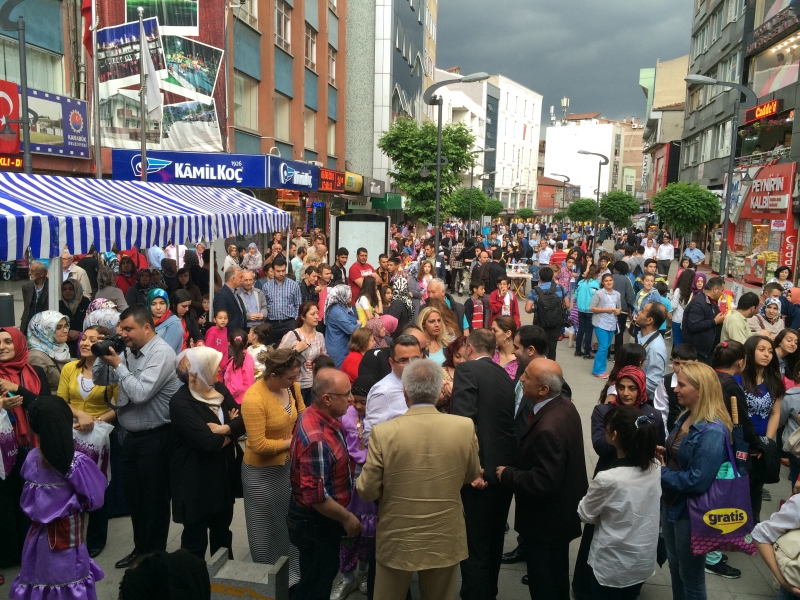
(549, 482)
(484, 392)
(35, 296)
(226, 299)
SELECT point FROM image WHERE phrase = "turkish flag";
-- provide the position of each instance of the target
(9, 109)
(88, 21)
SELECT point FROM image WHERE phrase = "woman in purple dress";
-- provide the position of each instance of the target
(61, 485)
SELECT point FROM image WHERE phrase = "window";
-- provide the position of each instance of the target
(311, 48)
(283, 25)
(282, 117)
(247, 12)
(706, 145)
(310, 129)
(765, 9)
(776, 67)
(45, 71)
(722, 135)
(332, 5)
(331, 65)
(245, 101)
(331, 137)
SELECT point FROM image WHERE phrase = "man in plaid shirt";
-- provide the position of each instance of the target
(321, 486)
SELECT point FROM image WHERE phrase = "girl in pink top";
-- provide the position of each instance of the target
(217, 334)
(240, 370)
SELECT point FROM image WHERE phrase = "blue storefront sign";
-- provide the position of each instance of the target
(292, 175)
(192, 168)
(62, 127)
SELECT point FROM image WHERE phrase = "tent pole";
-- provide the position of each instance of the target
(211, 283)
(54, 279)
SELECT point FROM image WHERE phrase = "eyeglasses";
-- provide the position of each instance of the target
(62, 327)
(347, 394)
(408, 359)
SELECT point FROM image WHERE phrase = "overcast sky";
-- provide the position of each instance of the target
(588, 50)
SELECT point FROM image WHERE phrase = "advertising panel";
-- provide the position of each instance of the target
(292, 175)
(331, 181)
(179, 17)
(62, 128)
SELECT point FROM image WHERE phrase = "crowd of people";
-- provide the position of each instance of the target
(309, 388)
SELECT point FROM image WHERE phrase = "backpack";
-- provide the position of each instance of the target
(549, 308)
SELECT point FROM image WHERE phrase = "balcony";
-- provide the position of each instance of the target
(763, 158)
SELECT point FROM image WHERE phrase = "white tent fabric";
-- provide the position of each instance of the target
(47, 213)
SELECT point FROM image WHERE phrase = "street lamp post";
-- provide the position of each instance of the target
(430, 99)
(751, 98)
(563, 193)
(471, 186)
(603, 161)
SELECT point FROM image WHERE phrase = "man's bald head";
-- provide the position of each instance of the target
(543, 379)
(417, 333)
(331, 392)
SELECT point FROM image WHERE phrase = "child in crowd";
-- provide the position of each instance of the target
(203, 320)
(662, 288)
(257, 339)
(239, 372)
(323, 361)
(217, 334)
(503, 302)
(475, 312)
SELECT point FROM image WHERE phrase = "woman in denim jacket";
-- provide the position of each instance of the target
(694, 453)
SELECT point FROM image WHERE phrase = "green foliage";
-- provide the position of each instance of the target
(493, 208)
(619, 207)
(582, 210)
(686, 207)
(525, 213)
(410, 145)
(459, 201)
(560, 215)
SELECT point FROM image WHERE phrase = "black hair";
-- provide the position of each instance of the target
(793, 359)
(533, 335)
(310, 270)
(727, 354)
(771, 374)
(405, 340)
(661, 288)
(639, 249)
(621, 267)
(635, 433)
(140, 315)
(783, 268)
(684, 352)
(475, 284)
(715, 282)
(380, 256)
(657, 312)
(650, 261)
(771, 287)
(684, 285)
(278, 262)
(360, 250)
(497, 254)
(369, 288)
(546, 274)
(394, 260)
(342, 252)
(238, 341)
(323, 361)
(748, 300)
(262, 331)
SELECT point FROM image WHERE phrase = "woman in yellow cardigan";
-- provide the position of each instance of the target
(270, 409)
(87, 402)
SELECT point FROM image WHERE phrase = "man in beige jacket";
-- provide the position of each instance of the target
(416, 466)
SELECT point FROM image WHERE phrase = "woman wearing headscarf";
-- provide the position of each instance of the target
(698, 283)
(107, 288)
(137, 295)
(60, 484)
(103, 313)
(768, 321)
(127, 274)
(252, 259)
(378, 332)
(47, 343)
(186, 284)
(73, 305)
(413, 288)
(169, 273)
(204, 476)
(26, 382)
(231, 259)
(167, 325)
(401, 292)
(340, 322)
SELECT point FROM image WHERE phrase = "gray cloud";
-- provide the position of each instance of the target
(588, 50)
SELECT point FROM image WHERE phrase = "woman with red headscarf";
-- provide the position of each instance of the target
(20, 384)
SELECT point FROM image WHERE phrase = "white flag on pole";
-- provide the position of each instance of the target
(153, 92)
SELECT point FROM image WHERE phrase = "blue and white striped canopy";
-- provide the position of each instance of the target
(48, 213)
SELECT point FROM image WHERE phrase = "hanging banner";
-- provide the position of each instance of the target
(179, 17)
(9, 109)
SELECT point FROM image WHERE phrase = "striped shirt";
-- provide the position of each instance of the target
(147, 381)
(283, 299)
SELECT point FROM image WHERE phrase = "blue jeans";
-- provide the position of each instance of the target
(785, 594)
(686, 570)
(677, 334)
(585, 329)
(604, 339)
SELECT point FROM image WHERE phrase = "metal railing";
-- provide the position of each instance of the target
(762, 158)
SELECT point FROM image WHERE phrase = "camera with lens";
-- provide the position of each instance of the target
(115, 341)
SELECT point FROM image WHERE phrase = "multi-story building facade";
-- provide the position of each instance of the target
(519, 120)
(431, 8)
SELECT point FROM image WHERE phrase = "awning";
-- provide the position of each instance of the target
(48, 213)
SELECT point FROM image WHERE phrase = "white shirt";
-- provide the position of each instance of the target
(540, 405)
(385, 401)
(785, 520)
(544, 256)
(649, 252)
(623, 503)
(665, 252)
(661, 400)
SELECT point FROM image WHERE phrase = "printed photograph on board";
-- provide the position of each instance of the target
(119, 121)
(192, 68)
(191, 126)
(178, 17)
(118, 55)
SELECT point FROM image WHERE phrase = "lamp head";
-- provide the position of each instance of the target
(7, 134)
(700, 80)
(424, 172)
(474, 77)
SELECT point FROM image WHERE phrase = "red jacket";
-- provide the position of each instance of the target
(496, 307)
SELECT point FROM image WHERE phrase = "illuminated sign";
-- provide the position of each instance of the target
(10, 162)
(353, 182)
(768, 109)
(331, 181)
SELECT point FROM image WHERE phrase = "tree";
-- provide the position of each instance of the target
(686, 207)
(459, 201)
(581, 210)
(560, 215)
(619, 207)
(493, 208)
(410, 145)
(525, 213)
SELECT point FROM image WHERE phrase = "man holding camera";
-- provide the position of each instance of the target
(145, 374)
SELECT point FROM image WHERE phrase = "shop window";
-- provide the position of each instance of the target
(245, 101)
(311, 48)
(282, 116)
(310, 129)
(45, 70)
(331, 137)
(331, 65)
(283, 25)
(776, 67)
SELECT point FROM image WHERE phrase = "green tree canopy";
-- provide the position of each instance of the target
(493, 208)
(619, 207)
(560, 215)
(525, 213)
(459, 202)
(583, 209)
(410, 145)
(686, 207)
